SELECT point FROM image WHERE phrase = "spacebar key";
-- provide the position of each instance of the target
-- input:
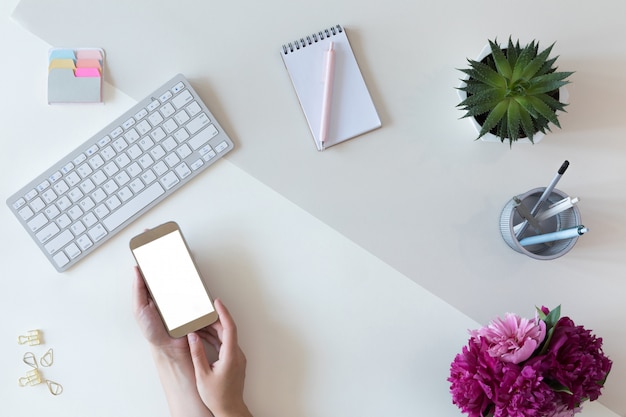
(133, 207)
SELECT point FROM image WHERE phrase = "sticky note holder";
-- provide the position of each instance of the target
(75, 75)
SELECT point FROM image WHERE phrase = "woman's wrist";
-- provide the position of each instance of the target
(177, 377)
(239, 411)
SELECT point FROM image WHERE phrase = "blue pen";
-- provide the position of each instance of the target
(551, 237)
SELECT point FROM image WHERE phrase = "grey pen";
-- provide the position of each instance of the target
(543, 198)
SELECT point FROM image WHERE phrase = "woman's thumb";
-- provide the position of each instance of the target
(198, 354)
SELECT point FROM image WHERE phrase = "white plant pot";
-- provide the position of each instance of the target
(490, 137)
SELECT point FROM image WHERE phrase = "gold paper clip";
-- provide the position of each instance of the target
(32, 378)
(30, 360)
(33, 337)
(47, 359)
(54, 388)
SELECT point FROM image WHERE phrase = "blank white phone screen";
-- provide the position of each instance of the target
(173, 280)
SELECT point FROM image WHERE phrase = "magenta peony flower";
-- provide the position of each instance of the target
(576, 361)
(473, 373)
(513, 339)
(523, 393)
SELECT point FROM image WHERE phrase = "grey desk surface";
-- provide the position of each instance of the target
(418, 193)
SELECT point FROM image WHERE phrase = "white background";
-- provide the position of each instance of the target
(396, 232)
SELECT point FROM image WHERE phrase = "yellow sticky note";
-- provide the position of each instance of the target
(62, 63)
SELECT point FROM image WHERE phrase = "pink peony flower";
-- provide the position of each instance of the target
(513, 339)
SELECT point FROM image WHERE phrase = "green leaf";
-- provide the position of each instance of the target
(479, 109)
(547, 68)
(512, 52)
(548, 82)
(552, 102)
(524, 58)
(494, 117)
(537, 63)
(492, 95)
(558, 387)
(485, 74)
(502, 64)
(513, 119)
(544, 110)
(526, 120)
(553, 317)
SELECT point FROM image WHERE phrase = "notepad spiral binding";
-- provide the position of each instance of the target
(315, 37)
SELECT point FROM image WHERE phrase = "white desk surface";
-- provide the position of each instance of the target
(335, 318)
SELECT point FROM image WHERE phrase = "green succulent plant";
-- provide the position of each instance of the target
(513, 92)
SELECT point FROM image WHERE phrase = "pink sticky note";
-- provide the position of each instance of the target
(88, 54)
(87, 72)
(87, 63)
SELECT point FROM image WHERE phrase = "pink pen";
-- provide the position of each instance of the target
(328, 94)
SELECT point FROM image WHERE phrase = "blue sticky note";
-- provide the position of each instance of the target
(61, 54)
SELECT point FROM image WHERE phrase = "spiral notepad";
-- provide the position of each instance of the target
(352, 111)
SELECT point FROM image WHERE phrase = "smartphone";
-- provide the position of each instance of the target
(173, 280)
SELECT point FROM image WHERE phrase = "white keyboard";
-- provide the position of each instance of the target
(121, 172)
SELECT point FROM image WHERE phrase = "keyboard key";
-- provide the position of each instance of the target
(202, 137)
(37, 205)
(37, 222)
(25, 213)
(167, 110)
(104, 141)
(221, 146)
(75, 212)
(198, 123)
(72, 250)
(181, 99)
(178, 87)
(78, 228)
(61, 187)
(141, 114)
(153, 106)
(97, 233)
(60, 259)
(84, 242)
(165, 96)
(135, 205)
(90, 219)
(128, 123)
(31, 194)
(19, 203)
(63, 221)
(58, 242)
(43, 185)
(169, 180)
(197, 164)
(143, 127)
(184, 151)
(193, 109)
(155, 119)
(116, 132)
(183, 170)
(132, 135)
(46, 233)
(182, 117)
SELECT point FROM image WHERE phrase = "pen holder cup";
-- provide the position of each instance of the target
(564, 220)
